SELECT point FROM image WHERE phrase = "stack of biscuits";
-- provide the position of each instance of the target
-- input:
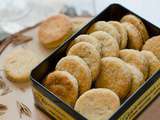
(105, 66)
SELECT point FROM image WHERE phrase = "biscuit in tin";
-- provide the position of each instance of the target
(97, 104)
(63, 85)
(89, 54)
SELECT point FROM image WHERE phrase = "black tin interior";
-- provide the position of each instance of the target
(112, 12)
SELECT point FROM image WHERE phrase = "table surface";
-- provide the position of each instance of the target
(147, 9)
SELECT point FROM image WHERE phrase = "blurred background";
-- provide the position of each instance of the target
(18, 14)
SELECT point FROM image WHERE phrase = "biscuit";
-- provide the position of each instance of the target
(79, 22)
(154, 63)
(106, 27)
(19, 64)
(153, 45)
(114, 75)
(109, 46)
(137, 78)
(52, 32)
(89, 54)
(134, 37)
(138, 24)
(79, 69)
(123, 33)
(97, 104)
(87, 38)
(63, 85)
(134, 57)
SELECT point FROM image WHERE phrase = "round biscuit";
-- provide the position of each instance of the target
(114, 75)
(52, 32)
(79, 69)
(123, 33)
(153, 45)
(87, 38)
(134, 37)
(109, 46)
(97, 104)
(89, 54)
(106, 27)
(154, 63)
(19, 63)
(63, 85)
(134, 57)
(138, 24)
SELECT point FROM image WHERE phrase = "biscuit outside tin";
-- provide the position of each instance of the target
(58, 110)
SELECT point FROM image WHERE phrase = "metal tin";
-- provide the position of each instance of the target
(57, 109)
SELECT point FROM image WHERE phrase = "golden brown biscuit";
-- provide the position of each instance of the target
(154, 63)
(19, 64)
(137, 78)
(87, 38)
(79, 22)
(134, 37)
(123, 33)
(153, 45)
(139, 25)
(52, 32)
(63, 85)
(89, 54)
(106, 27)
(114, 75)
(109, 46)
(134, 57)
(79, 69)
(97, 104)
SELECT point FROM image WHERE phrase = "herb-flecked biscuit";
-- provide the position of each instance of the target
(106, 27)
(153, 45)
(79, 69)
(134, 57)
(55, 30)
(123, 33)
(19, 63)
(89, 54)
(87, 38)
(97, 104)
(138, 24)
(63, 85)
(114, 75)
(109, 46)
(134, 37)
(137, 78)
(154, 63)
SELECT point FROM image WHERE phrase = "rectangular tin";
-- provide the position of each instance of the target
(57, 109)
